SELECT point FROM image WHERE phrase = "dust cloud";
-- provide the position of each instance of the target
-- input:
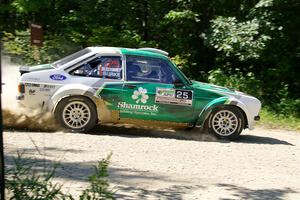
(15, 117)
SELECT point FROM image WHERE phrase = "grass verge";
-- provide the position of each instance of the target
(271, 119)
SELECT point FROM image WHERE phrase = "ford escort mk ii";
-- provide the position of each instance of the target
(136, 86)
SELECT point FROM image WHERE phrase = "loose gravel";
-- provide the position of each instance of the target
(148, 164)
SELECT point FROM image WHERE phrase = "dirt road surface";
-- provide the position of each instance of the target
(263, 164)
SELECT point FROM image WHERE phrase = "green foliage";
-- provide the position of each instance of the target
(233, 38)
(285, 106)
(54, 48)
(107, 36)
(236, 80)
(181, 16)
(99, 186)
(25, 182)
(178, 30)
(181, 62)
(26, 6)
(271, 119)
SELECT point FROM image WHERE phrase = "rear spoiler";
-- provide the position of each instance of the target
(27, 69)
(24, 69)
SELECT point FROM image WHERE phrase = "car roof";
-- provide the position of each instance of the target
(150, 52)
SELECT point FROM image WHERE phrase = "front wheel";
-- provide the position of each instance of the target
(226, 122)
(76, 113)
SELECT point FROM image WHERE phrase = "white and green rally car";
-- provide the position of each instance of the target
(136, 86)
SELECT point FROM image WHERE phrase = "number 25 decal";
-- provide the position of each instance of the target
(184, 94)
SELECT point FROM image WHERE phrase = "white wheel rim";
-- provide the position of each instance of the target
(224, 123)
(76, 114)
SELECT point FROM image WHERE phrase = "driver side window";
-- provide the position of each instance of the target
(101, 67)
(145, 69)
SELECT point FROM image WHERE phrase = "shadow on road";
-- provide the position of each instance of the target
(177, 191)
(195, 134)
(126, 181)
(80, 171)
(174, 192)
(130, 131)
(240, 192)
(254, 139)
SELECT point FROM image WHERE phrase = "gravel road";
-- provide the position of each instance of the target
(263, 164)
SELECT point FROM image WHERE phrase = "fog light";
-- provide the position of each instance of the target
(257, 118)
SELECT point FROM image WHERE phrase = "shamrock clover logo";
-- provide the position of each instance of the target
(140, 95)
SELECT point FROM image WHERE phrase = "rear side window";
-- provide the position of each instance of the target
(147, 69)
(71, 57)
(101, 67)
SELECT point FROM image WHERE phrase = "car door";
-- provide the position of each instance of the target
(104, 75)
(149, 92)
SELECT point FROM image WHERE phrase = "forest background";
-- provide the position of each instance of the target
(249, 45)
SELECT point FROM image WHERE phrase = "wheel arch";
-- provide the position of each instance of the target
(86, 124)
(71, 91)
(222, 101)
(74, 95)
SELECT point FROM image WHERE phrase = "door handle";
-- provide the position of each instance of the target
(130, 86)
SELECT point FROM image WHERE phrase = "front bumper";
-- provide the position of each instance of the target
(257, 118)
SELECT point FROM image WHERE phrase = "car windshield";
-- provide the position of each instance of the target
(71, 57)
(182, 74)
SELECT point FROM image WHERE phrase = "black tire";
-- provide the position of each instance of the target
(76, 113)
(226, 122)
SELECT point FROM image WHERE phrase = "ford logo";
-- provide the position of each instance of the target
(58, 77)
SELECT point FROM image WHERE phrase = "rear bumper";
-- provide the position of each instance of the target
(20, 97)
(24, 104)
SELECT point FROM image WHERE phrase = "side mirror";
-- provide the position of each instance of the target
(178, 83)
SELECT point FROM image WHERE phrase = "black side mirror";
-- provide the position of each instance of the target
(178, 83)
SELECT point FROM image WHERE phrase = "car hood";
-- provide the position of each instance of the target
(214, 88)
(242, 97)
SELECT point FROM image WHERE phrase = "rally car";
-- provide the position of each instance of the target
(137, 86)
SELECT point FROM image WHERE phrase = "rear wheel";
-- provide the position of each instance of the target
(76, 113)
(226, 122)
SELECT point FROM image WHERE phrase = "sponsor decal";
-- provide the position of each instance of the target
(163, 92)
(112, 74)
(58, 77)
(32, 85)
(140, 97)
(47, 88)
(174, 96)
(138, 107)
(111, 69)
